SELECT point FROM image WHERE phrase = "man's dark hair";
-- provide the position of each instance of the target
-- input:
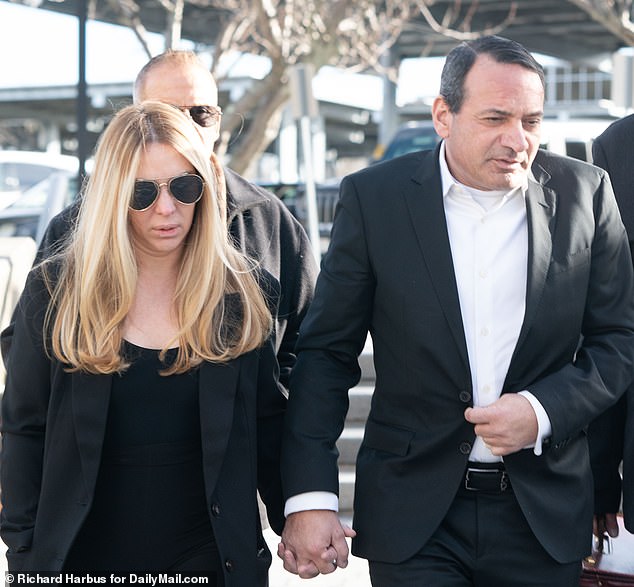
(460, 60)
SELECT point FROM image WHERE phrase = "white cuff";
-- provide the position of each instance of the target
(311, 500)
(544, 427)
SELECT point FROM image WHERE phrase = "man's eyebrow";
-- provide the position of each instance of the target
(498, 112)
(495, 112)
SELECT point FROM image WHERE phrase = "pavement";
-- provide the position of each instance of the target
(356, 575)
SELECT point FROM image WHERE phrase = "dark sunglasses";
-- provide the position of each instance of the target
(204, 116)
(186, 188)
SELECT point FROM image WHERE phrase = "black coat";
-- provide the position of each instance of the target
(611, 436)
(53, 431)
(389, 271)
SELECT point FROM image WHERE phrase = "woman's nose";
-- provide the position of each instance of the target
(165, 201)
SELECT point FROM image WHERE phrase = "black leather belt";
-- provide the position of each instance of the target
(487, 477)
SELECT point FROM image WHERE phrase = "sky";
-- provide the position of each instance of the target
(39, 48)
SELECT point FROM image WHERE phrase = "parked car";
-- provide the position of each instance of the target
(294, 197)
(572, 137)
(413, 136)
(31, 212)
(21, 170)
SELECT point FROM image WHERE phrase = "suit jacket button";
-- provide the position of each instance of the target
(215, 510)
(465, 396)
(465, 448)
(229, 565)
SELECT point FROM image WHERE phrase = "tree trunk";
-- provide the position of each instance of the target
(174, 24)
(264, 104)
(263, 129)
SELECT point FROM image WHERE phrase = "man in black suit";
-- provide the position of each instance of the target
(496, 282)
(611, 436)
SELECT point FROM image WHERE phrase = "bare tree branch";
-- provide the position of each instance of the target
(463, 30)
(129, 14)
(614, 15)
(174, 22)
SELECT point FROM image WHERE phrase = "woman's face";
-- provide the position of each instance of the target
(161, 230)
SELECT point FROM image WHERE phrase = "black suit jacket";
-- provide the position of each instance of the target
(612, 434)
(53, 430)
(389, 271)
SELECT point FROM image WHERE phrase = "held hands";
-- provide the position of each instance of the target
(603, 524)
(507, 425)
(314, 542)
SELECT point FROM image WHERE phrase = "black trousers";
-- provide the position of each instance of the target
(484, 541)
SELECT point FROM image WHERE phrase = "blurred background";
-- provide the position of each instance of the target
(310, 90)
(358, 76)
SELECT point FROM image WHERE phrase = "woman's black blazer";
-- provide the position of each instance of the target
(53, 425)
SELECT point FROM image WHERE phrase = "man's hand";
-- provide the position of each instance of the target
(507, 425)
(313, 542)
(605, 524)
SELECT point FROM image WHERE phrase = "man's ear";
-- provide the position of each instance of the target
(441, 116)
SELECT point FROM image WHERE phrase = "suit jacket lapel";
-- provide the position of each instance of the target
(91, 398)
(540, 212)
(217, 389)
(423, 196)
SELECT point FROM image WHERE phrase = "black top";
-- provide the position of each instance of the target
(149, 510)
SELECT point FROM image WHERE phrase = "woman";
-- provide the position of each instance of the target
(141, 412)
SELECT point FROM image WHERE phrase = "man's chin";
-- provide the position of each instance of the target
(510, 181)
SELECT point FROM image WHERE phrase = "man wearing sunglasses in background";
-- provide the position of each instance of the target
(259, 222)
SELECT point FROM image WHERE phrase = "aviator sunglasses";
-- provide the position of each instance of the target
(186, 188)
(204, 116)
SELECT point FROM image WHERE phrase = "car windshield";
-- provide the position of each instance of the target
(412, 139)
(34, 197)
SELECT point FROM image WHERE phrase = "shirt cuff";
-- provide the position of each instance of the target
(544, 427)
(311, 500)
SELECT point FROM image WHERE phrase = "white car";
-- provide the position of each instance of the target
(30, 213)
(21, 170)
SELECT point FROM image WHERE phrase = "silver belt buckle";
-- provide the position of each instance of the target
(504, 480)
(466, 477)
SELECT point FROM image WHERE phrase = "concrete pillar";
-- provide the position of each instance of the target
(389, 120)
(48, 138)
(287, 148)
(623, 79)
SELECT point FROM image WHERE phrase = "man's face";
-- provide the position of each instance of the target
(184, 85)
(492, 141)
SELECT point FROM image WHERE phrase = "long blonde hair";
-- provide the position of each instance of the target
(220, 309)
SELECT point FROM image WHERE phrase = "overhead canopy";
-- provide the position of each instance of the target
(553, 27)
(557, 28)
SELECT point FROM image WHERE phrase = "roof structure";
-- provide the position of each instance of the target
(558, 28)
(553, 27)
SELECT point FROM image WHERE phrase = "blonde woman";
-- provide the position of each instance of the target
(142, 409)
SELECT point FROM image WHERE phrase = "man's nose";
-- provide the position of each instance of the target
(514, 137)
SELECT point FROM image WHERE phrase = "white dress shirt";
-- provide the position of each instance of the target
(488, 235)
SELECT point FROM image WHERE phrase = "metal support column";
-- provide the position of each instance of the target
(82, 91)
